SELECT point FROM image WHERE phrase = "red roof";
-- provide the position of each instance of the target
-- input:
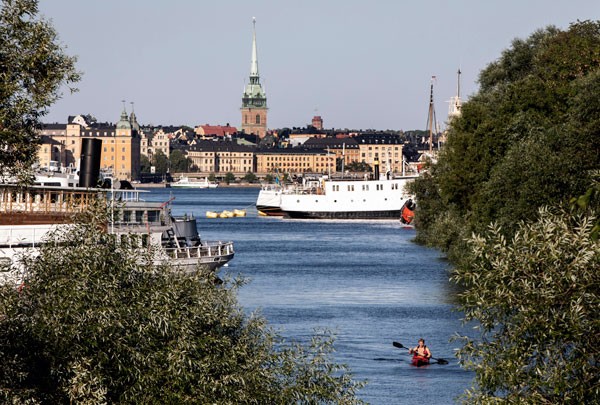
(218, 130)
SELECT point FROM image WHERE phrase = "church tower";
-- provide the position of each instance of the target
(254, 99)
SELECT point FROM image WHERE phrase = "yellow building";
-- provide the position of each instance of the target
(120, 144)
(386, 148)
(294, 160)
(222, 157)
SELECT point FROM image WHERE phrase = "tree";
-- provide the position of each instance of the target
(179, 162)
(97, 322)
(160, 162)
(34, 67)
(535, 298)
(250, 177)
(528, 138)
(229, 177)
(145, 164)
(358, 167)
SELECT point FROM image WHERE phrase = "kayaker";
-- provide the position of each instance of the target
(421, 350)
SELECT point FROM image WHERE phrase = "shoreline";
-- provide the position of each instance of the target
(168, 185)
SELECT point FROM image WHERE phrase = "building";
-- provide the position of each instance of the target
(50, 152)
(220, 131)
(154, 142)
(294, 160)
(346, 148)
(254, 100)
(382, 147)
(317, 122)
(120, 152)
(220, 157)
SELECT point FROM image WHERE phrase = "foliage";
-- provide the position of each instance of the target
(250, 177)
(269, 178)
(528, 138)
(145, 164)
(358, 167)
(96, 323)
(536, 298)
(160, 161)
(212, 177)
(33, 67)
(229, 177)
(179, 162)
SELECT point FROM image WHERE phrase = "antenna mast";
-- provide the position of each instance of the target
(431, 117)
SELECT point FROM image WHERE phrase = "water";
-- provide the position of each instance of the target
(365, 280)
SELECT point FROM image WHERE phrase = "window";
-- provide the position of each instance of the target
(257, 118)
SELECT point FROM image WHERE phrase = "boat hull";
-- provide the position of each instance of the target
(268, 202)
(419, 361)
(392, 214)
(270, 211)
(347, 199)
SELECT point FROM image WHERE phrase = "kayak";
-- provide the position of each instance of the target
(420, 361)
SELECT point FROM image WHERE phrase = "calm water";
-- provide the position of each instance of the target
(365, 280)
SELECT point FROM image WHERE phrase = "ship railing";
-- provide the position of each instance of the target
(207, 249)
(45, 200)
(28, 236)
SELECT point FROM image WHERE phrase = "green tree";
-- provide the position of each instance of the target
(161, 162)
(145, 164)
(528, 138)
(97, 322)
(33, 67)
(356, 166)
(536, 299)
(229, 177)
(179, 162)
(250, 177)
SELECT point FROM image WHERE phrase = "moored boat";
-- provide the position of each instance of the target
(186, 182)
(268, 202)
(28, 215)
(408, 212)
(347, 198)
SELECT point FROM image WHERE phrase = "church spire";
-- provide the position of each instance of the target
(254, 100)
(254, 62)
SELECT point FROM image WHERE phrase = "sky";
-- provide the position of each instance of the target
(359, 64)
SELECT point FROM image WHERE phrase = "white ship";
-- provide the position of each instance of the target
(328, 198)
(186, 182)
(268, 202)
(27, 215)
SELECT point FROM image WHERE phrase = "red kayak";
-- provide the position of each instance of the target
(420, 361)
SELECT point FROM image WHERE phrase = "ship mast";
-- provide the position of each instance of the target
(431, 118)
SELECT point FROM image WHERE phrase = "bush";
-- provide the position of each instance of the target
(97, 322)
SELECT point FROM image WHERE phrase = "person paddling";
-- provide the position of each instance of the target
(421, 354)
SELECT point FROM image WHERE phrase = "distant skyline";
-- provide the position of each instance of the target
(358, 64)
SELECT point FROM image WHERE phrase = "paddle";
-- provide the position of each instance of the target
(400, 346)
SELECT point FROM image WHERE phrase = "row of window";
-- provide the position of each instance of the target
(296, 158)
(365, 187)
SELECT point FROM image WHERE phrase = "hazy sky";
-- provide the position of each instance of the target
(359, 64)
